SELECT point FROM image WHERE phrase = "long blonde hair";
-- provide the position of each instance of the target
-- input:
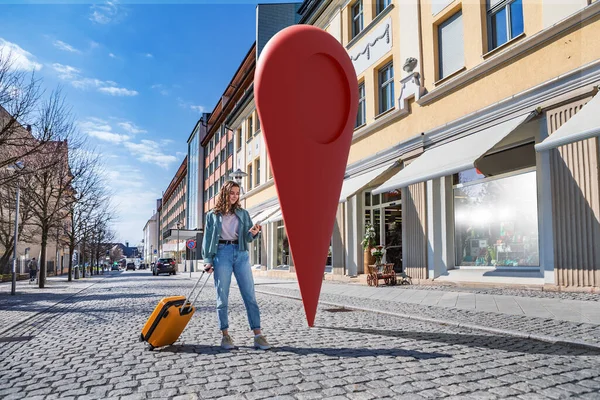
(223, 205)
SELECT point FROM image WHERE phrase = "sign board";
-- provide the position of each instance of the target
(191, 244)
(155, 251)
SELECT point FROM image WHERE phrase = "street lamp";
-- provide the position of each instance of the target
(237, 176)
(177, 259)
(16, 167)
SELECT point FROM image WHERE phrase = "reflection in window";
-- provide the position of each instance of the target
(505, 21)
(496, 222)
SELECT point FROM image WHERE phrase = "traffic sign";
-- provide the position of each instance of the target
(155, 251)
(191, 244)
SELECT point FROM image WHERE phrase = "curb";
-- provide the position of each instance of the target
(15, 325)
(541, 338)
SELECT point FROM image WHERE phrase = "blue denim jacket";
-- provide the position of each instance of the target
(212, 232)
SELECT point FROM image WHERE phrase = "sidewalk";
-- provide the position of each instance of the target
(551, 317)
(30, 300)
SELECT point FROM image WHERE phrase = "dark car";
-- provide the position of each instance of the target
(115, 268)
(130, 266)
(164, 266)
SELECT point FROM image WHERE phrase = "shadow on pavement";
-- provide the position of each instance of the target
(491, 341)
(326, 351)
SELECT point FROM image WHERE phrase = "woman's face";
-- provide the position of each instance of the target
(234, 195)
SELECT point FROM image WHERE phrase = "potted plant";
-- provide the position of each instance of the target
(378, 253)
(368, 243)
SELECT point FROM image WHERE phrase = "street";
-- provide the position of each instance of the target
(87, 346)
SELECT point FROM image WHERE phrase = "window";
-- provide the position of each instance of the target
(382, 5)
(218, 160)
(239, 139)
(250, 129)
(250, 177)
(357, 18)
(450, 45)
(223, 155)
(206, 195)
(217, 136)
(505, 21)
(386, 88)
(496, 220)
(229, 148)
(210, 192)
(256, 173)
(362, 106)
(257, 123)
(222, 181)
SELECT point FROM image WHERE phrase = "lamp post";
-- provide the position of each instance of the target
(237, 176)
(177, 258)
(17, 166)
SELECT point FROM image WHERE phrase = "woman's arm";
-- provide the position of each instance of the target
(208, 226)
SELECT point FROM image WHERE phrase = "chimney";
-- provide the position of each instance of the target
(126, 244)
(28, 127)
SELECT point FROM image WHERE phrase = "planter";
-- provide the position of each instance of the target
(368, 260)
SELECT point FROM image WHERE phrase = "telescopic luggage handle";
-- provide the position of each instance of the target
(187, 305)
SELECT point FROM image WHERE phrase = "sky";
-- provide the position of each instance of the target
(138, 77)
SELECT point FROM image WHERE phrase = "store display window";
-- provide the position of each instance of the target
(496, 219)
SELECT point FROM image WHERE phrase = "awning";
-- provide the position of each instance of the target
(278, 216)
(356, 183)
(452, 157)
(260, 217)
(583, 125)
(173, 246)
(171, 234)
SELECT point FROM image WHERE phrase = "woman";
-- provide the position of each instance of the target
(227, 232)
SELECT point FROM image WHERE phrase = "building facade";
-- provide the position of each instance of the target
(173, 212)
(151, 240)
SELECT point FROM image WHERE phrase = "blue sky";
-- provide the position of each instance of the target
(137, 76)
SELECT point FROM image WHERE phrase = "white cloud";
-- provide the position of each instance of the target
(131, 127)
(21, 59)
(148, 55)
(108, 136)
(111, 55)
(59, 44)
(65, 72)
(161, 89)
(110, 11)
(93, 44)
(73, 75)
(116, 91)
(149, 151)
(199, 109)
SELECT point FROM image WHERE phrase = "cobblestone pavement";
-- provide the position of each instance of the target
(541, 327)
(30, 300)
(87, 347)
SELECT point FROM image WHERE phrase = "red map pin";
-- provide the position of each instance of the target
(306, 94)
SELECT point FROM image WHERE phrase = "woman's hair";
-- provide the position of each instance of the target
(223, 205)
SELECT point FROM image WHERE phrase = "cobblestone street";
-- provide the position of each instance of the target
(87, 346)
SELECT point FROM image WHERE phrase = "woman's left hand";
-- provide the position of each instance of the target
(255, 229)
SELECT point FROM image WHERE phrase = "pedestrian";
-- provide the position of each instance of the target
(32, 269)
(227, 232)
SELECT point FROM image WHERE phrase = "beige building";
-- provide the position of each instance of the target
(171, 211)
(447, 160)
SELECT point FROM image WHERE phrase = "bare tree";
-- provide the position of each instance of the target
(49, 189)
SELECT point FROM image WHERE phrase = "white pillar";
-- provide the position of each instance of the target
(544, 193)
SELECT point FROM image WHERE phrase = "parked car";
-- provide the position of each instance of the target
(143, 266)
(165, 266)
(115, 268)
(130, 266)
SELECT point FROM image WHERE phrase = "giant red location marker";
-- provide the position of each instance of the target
(306, 94)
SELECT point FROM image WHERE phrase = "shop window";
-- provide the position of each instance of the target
(505, 21)
(283, 258)
(451, 50)
(255, 254)
(361, 115)
(382, 5)
(386, 88)
(496, 221)
(357, 18)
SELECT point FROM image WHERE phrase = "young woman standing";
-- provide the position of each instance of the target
(227, 232)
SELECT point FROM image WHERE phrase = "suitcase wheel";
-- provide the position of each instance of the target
(141, 337)
(150, 347)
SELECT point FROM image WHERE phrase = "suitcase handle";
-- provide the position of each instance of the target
(187, 305)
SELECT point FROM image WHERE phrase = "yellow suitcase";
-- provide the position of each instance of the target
(169, 319)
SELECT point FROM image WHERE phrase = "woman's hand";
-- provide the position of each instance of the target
(208, 267)
(255, 229)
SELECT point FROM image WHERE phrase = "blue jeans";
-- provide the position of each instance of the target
(230, 259)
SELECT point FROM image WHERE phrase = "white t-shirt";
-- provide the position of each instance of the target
(229, 227)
